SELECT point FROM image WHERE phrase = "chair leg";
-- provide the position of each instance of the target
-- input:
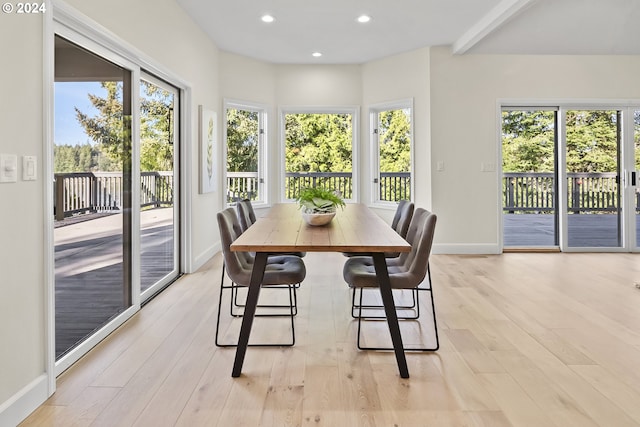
(233, 302)
(234, 305)
(360, 318)
(413, 306)
(292, 299)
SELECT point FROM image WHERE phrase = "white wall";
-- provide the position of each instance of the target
(22, 318)
(465, 130)
(166, 35)
(404, 76)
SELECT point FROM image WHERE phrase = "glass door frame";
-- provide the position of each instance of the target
(131, 220)
(177, 197)
(81, 30)
(626, 165)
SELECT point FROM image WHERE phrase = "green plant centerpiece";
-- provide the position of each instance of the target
(319, 205)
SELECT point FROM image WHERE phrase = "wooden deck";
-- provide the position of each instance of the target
(585, 230)
(89, 269)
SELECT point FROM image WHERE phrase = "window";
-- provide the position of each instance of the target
(244, 141)
(392, 141)
(319, 150)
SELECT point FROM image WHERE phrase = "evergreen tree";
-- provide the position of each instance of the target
(318, 143)
(394, 136)
(242, 141)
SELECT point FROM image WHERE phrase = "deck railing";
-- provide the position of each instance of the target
(339, 181)
(586, 192)
(102, 191)
(394, 186)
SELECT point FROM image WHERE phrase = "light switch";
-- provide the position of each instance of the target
(439, 165)
(29, 167)
(8, 168)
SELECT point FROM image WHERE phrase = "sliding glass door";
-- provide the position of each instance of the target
(159, 196)
(93, 193)
(116, 191)
(570, 178)
(529, 178)
(593, 176)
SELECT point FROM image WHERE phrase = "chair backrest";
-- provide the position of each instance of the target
(402, 218)
(414, 264)
(246, 214)
(237, 263)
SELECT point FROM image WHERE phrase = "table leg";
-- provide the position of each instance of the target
(390, 310)
(257, 275)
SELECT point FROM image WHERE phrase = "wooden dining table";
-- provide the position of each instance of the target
(356, 228)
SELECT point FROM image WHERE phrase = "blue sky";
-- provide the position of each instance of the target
(67, 96)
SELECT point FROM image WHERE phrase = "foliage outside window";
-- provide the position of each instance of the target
(319, 152)
(243, 153)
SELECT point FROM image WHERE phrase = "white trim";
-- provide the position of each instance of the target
(466, 249)
(186, 163)
(500, 14)
(20, 405)
(354, 110)
(499, 177)
(263, 149)
(47, 171)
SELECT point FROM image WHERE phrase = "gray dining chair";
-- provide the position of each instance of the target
(408, 271)
(246, 218)
(281, 272)
(400, 223)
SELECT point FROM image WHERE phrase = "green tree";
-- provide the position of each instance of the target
(592, 141)
(106, 128)
(395, 141)
(318, 142)
(156, 128)
(242, 140)
(528, 141)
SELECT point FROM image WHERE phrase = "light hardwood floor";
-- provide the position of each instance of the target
(526, 340)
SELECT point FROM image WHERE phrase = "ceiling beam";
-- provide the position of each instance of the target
(497, 16)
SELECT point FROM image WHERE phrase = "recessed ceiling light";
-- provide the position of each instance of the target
(364, 18)
(316, 54)
(267, 18)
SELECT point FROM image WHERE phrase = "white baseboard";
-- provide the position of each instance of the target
(466, 249)
(23, 403)
(205, 256)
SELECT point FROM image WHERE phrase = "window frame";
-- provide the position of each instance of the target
(263, 132)
(374, 143)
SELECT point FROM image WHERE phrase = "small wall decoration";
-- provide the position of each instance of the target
(208, 149)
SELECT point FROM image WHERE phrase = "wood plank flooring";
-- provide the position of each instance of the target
(538, 340)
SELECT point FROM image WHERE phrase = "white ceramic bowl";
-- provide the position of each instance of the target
(318, 218)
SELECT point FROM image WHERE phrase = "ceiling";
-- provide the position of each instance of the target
(302, 27)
